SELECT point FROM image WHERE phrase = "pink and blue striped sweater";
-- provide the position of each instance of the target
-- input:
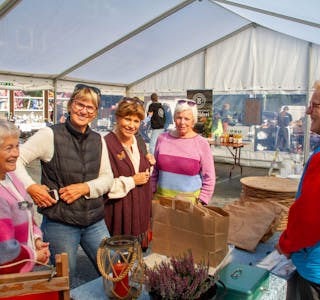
(14, 230)
(183, 165)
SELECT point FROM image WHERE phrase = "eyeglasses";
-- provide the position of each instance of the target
(189, 102)
(133, 100)
(80, 106)
(23, 205)
(81, 86)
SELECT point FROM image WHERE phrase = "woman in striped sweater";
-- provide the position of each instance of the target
(184, 162)
(21, 242)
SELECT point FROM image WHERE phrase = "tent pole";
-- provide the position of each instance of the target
(306, 145)
(7, 6)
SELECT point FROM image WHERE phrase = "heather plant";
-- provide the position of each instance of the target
(178, 278)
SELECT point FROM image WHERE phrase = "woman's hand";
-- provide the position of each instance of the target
(39, 194)
(141, 178)
(151, 159)
(42, 251)
(72, 192)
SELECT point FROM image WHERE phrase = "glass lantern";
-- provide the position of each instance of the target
(120, 262)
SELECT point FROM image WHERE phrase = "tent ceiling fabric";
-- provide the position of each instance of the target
(120, 42)
(174, 37)
(295, 29)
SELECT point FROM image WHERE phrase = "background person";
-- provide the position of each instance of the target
(301, 239)
(20, 237)
(74, 162)
(226, 116)
(157, 115)
(168, 115)
(284, 121)
(128, 205)
(184, 161)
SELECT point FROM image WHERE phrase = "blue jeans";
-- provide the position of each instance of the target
(66, 238)
(154, 136)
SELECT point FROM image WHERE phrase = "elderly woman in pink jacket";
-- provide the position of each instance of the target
(21, 244)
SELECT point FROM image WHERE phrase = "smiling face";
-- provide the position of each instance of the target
(82, 112)
(9, 153)
(184, 123)
(127, 127)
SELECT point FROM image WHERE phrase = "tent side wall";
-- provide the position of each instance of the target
(255, 60)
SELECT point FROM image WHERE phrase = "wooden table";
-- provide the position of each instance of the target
(278, 287)
(235, 151)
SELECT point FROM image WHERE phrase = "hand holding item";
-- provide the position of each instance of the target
(40, 195)
(73, 192)
(141, 178)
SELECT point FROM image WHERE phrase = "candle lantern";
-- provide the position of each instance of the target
(119, 260)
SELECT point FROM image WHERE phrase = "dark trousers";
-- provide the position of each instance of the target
(308, 290)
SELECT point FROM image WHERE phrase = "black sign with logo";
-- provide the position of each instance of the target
(203, 98)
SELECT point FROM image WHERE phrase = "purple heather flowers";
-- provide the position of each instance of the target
(179, 278)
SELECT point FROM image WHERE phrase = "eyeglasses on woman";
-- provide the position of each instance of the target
(80, 106)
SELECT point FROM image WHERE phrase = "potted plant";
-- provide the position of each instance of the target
(180, 278)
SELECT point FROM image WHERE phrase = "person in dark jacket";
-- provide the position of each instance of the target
(284, 121)
(157, 114)
(76, 173)
(128, 203)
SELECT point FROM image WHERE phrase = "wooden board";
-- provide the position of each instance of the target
(271, 183)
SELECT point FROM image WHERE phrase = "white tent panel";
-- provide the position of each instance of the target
(314, 65)
(51, 37)
(229, 64)
(276, 68)
(254, 60)
(184, 32)
(47, 37)
(303, 10)
(298, 30)
(175, 80)
(25, 83)
(30, 84)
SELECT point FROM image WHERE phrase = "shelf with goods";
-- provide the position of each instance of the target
(28, 106)
(4, 104)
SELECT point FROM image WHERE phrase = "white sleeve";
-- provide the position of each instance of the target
(121, 187)
(38, 146)
(103, 183)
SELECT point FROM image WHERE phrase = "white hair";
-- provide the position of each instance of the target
(180, 107)
(8, 129)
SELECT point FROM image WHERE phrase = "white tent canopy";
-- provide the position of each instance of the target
(168, 46)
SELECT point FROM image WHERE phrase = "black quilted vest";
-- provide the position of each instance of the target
(76, 159)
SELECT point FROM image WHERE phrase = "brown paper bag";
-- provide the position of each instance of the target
(204, 230)
(251, 222)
